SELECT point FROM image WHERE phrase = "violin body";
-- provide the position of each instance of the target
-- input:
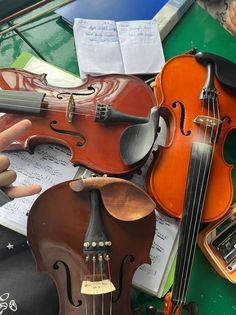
(189, 179)
(94, 145)
(57, 225)
(177, 90)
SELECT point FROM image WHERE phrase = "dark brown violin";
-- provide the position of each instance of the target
(90, 235)
(109, 123)
(190, 178)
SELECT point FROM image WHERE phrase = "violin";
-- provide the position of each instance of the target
(189, 178)
(109, 123)
(90, 235)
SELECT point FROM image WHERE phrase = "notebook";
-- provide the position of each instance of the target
(165, 13)
(117, 10)
(127, 47)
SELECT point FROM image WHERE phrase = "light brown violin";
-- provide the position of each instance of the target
(90, 235)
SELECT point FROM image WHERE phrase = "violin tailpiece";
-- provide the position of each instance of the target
(107, 114)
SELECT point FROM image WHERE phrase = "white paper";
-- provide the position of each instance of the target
(48, 166)
(97, 47)
(127, 47)
(55, 76)
(140, 46)
(150, 277)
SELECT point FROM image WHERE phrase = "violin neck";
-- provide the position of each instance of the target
(198, 175)
(21, 101)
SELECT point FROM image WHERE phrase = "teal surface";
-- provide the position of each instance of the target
(48, 37)
(52, 39)
(199, 30)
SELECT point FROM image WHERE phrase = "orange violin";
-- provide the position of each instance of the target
(189, 179)
(109, 123)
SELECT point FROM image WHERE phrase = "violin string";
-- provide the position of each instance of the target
(191, 231)
(55, 98)
(179, 293)
(109, 276)
(80, 113)
(86, 304)
(101, 272)
(196, 224)
(210, 156)
(86, 297)
(184, 284)
(94, 277)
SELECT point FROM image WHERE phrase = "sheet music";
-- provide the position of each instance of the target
(49, 165)
(151, 277)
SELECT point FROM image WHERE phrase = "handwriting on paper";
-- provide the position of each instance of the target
(105, 46)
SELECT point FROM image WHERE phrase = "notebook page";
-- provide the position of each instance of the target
(141, 46)
(97, 47)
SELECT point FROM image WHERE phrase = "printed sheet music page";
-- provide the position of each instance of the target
(48, 166)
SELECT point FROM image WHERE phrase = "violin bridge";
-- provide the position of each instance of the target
(207, 120)
(70, 109)
(97, 287)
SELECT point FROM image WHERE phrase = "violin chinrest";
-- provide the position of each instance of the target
(123, 199)
(137, 140)
(224, 69)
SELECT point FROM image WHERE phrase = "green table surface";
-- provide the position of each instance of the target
(52, 39)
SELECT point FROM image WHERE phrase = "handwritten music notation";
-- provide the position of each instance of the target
(133, 46)
(48, 166)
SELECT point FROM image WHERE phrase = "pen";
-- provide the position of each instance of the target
(30, 19)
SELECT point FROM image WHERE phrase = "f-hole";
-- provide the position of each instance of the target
(56, 266)
(225, 119)
(182, 118)
(69, 132)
